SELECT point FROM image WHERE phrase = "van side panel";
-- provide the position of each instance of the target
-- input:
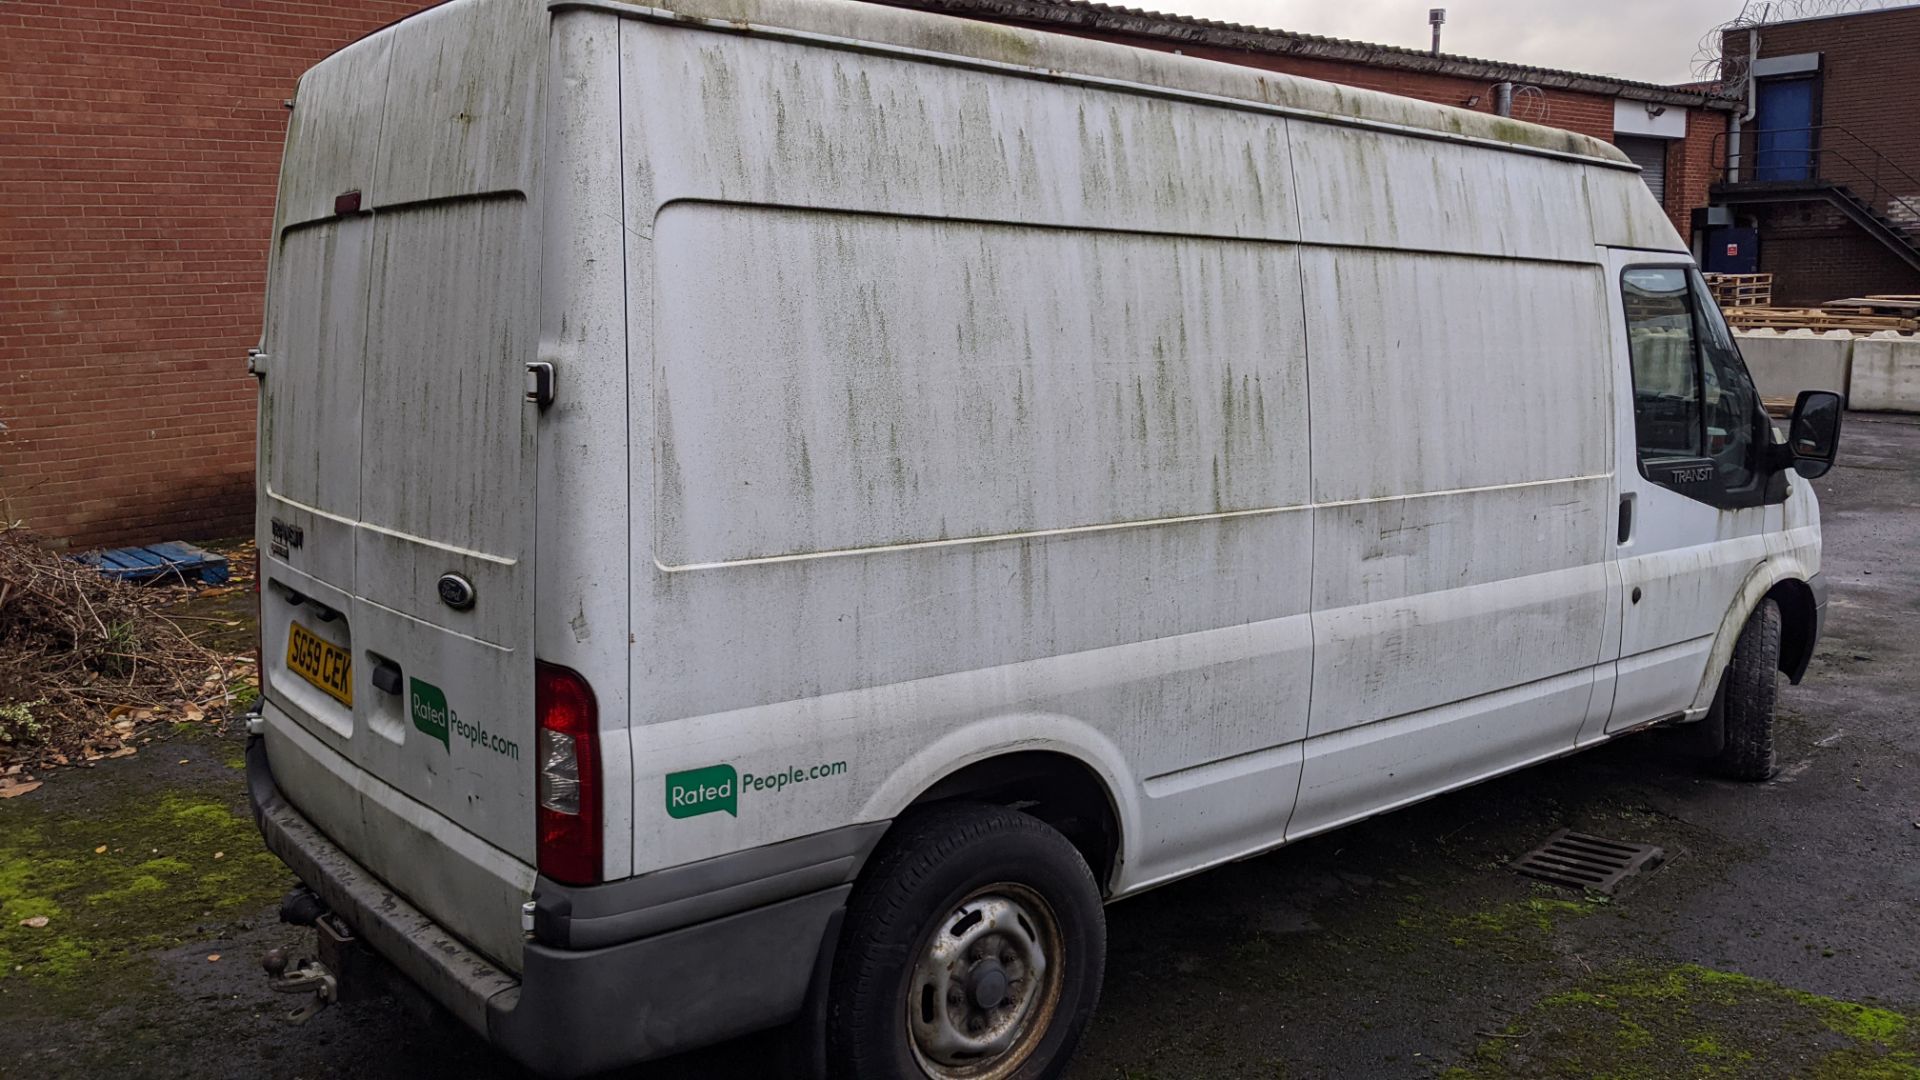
(909, 380)
(909, 499)
(1372, 189)
(758, 121)
(1462, 482)
(1625, 213)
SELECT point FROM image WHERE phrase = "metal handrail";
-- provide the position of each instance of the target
(1814, 158)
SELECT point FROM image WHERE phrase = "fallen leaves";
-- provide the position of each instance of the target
(213, 958)
(35, 923)
(101, 850)
(11, 788)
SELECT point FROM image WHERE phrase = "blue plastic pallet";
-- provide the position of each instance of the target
(171, 561)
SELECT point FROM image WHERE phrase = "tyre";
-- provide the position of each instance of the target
(1747, 697)
(974, 948)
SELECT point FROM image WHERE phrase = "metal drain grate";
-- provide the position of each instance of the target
(1580, 861)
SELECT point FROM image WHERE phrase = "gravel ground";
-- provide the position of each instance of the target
(1780, 939)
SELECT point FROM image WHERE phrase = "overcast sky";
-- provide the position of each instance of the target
(1646, 40)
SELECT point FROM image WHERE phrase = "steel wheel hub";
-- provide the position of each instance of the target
(986, 985)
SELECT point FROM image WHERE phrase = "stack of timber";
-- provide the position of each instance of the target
(1741, 290)
(1904, 305)
(1855, 320)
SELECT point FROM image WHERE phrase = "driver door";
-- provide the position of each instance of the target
(1695, 506)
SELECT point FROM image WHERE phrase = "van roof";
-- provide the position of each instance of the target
(854, 24)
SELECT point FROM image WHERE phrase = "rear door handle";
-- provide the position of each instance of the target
(1626, 519)
(386, 674)
(540, 383)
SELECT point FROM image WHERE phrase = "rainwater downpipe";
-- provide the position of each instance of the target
(1503, 99)
(1746, 116)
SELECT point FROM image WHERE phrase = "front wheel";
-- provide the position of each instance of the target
(974, 948)
(1747, 697)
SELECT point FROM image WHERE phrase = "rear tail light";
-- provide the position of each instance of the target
(568, 758)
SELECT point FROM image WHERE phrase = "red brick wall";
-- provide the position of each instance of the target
(1869, 82)
(1816, 254)
(1693, 164)
(139, 150)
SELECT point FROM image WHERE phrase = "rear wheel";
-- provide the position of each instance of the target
(974, 949)
(1747, 696)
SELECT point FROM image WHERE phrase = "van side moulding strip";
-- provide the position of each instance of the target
(1075, 530)
(1294, 241)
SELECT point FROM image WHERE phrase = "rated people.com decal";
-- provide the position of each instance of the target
(718, 787)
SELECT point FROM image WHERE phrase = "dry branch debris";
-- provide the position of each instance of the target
(86, 660)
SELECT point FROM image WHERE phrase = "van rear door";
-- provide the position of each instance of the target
(397, 444)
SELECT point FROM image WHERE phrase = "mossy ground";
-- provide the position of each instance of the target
(175, 863)
(1637, 1021)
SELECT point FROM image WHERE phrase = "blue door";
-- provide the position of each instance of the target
(1783, 130)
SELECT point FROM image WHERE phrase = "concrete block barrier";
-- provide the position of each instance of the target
(1886, 373)
(1783, 363)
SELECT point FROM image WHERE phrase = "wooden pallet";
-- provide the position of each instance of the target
(1772, 318)
(1741, 290)
(1907, 306)
(162, 563)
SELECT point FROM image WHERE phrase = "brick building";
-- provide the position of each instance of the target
(1824, 164)
(139, 145)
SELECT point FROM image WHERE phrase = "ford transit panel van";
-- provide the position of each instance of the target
(779, 510)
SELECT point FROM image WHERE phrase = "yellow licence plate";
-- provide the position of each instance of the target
(322, 663)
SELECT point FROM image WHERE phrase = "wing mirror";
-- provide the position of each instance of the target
(1813, 435)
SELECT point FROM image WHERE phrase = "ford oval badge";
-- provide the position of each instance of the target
(456, 591)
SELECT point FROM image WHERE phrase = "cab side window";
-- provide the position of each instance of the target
(1732, 403)
(1695, 409)
(1666, 375)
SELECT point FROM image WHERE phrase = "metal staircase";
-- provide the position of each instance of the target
(1836, 166)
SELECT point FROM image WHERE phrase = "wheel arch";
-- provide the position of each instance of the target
(1799, 626)
(1785, 582)
(1058, 769)
(1058, 788)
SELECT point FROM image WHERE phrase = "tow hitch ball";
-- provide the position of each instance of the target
(303, 908)
(302, 977)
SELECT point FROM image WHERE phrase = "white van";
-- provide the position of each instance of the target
(777, 510)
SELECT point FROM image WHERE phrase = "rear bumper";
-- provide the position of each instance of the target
(617, 973)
